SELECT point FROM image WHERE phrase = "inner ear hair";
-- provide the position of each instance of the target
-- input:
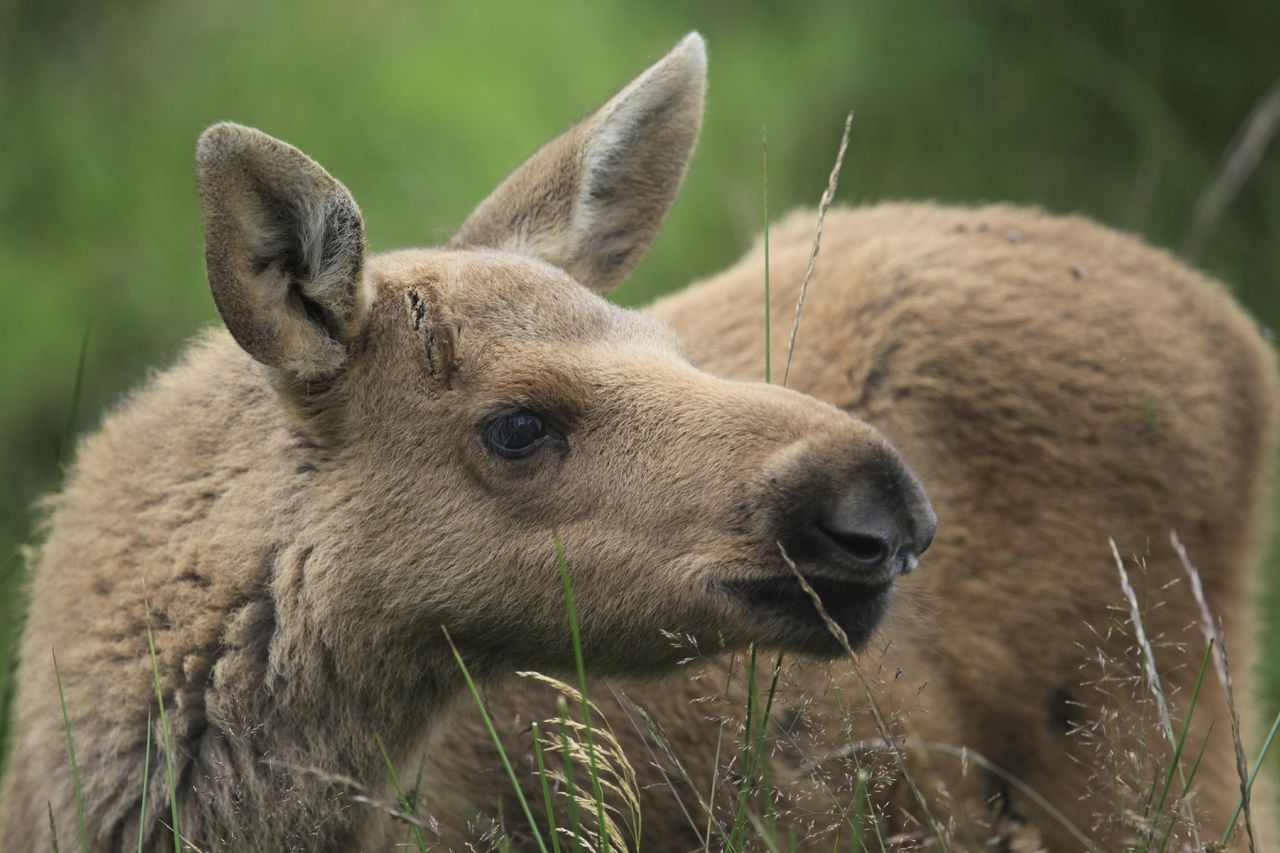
(284, 248)
(591, 201)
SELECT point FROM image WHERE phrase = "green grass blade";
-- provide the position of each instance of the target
(418, 838)
(546, 788)
(1195, 768)
(71, 749)
(64, 448)
(415, 798)
(764, 203)
(575, 827)
(11, 618)
(168, 745)
(146, 779)
(1175, 765)
(1262, 757)
(711, 796)
(738, 839)
(53, 829)
(765, 768)
(861, 797)
(576, 633)
(497, 741)
(765, 834)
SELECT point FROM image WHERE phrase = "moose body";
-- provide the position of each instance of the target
(248, 572)
(1057, 386)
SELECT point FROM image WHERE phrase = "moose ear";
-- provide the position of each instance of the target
(284, 249)
(592, 200)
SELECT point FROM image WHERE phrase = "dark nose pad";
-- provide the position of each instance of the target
(878, 528)
(867, 536)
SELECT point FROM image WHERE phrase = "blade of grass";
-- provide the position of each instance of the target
(1214, 631)
(738, 839)
(715, 765)
(1257, 765)
(1152, 678)
(168, 745)
(827, 195)
(11, 618)
(53, 829)
(575, 827)
(415, 796)
(71, 750)
(1175, 764)
(146, 779)
(1238, 162)
(65, 446)
(1195, 768)
(860, 796)
(418, 838)
(764, 203)
(546, 788)
(765, 766)
(622, 700)
(497, 741)
(576, 634)
(766, 835)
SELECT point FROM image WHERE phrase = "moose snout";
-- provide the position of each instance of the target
(875, 531)
(857, 517)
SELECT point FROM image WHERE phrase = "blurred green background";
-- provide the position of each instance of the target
(1118, 110)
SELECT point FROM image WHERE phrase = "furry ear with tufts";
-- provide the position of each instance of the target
(284, 249)
(592, 200)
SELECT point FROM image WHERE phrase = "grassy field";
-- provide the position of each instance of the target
(1119, 111)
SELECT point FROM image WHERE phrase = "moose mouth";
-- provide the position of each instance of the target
(856, 608)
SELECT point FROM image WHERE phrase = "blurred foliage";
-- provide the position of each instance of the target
(1118, 110)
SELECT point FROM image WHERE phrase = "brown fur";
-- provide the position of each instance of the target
(1055, 384)
(294, 519)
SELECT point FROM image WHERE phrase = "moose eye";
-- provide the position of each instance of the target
(517, 434)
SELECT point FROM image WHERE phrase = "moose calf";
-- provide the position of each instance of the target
(379, 448)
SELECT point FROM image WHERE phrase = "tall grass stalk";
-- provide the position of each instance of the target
(418, 838)
(64, 448)
(168, 745)
(575, 824)
(146, 779)
(1175, 765)
(1195, 769)
(749, 757)
(53, 829)
(576, 634)
(71, 750)
(1152, 677)
(623, 701)
(546, 787)
(1213, 631)
(764, 203)
(827, 195)
(1257, 765)
(766, 777)
(497, 741)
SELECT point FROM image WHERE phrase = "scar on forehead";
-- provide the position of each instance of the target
(440, 344)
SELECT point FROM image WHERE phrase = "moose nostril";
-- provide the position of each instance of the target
(861, 548)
